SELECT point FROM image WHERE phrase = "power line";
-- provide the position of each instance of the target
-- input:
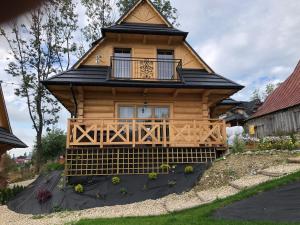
(11, 83)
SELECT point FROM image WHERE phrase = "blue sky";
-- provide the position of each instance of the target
(251, 42)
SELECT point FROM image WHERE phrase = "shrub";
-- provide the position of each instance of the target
(123, 191)
(54, 166)
(165, 167)
(238, 144)
(188, 169)
(43, 195)
(78, 188)
(115, 180)
(152, 176)
(283, 142)
(8, 193)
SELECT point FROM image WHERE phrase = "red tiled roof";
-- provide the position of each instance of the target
(286, 95)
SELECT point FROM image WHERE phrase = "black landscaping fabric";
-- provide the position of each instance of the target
(280, 204)
(99, 191)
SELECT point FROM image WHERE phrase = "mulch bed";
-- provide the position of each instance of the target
(99, 191)
(280, 204)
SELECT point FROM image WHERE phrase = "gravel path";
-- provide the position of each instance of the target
(170, 203)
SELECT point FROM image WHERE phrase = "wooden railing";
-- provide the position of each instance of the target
(131, 68)
(153, 132)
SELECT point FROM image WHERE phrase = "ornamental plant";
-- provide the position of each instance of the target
(78, 188)
(43, 195)
(274, 142)
(188, 170)
(115, 180)
(152, 176)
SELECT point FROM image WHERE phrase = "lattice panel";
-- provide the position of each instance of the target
(112, 161)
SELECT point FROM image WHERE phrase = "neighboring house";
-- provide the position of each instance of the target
(238, 115)
(280, 113)
(7, 139)
(140, 97)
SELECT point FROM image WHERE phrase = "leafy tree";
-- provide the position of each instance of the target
(257, 94)
(54, 144)
(40, 47)
(163, 6)
(99, 15)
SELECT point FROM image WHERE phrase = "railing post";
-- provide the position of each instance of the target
(68, 133)
(164, 133)
(224, 133)
(133, 132)
(101, 133)
(195, 133)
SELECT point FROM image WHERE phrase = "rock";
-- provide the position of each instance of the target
(249, 181)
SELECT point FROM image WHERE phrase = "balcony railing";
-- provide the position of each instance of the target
(145, 69)
(153, 132)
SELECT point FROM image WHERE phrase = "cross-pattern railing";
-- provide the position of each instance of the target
(153, 132)
(145, 69)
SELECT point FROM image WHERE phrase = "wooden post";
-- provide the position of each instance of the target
(164, 133)
(68, 133)
(101, 133)
(133, 132)
(224, 133)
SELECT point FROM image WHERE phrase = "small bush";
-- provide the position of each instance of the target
(54, 166)
(188, 169)
(123, 191)
(78, 188)
(165, 167)
(43, 195)
(115, 180)
(238, 144)
(152, 176)
(8, 193)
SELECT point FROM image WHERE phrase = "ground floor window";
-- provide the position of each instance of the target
(143, 111)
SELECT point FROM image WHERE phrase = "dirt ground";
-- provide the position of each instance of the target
(234, 166)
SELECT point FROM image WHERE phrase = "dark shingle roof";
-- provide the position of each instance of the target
(138, 28)
(229, 101)
(98, 76)
(8, 138)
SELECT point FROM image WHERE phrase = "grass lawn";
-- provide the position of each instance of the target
(200, 215)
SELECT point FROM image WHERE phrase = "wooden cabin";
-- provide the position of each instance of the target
(139, 98)
(280, 113)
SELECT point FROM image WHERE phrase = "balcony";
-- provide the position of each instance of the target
(149, 69)
(145, 132)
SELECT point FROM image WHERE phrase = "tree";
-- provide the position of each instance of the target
(40, 47)
(164, 7)
(99, 15)
(54, 144)
(257, 94)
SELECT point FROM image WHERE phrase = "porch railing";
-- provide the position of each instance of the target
(145, 69)
(153, 132)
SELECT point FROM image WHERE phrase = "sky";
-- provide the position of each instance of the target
(252, 42)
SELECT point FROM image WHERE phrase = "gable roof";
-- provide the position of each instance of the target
(284, 96)
(139, 2)
(7, 138)
(140, 28)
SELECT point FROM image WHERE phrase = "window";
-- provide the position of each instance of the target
(122, 63)
(141, 111)
(165, 64)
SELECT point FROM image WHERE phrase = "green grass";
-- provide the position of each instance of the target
(200, 215)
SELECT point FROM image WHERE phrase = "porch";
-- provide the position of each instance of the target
(152, 132)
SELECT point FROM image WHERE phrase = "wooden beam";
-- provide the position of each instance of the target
(144, 39)
(170, 39)
(119, 37)
(114, 91)
(175, 93)
(145, 91)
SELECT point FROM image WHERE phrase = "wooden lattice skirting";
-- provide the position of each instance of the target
(120, 160)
